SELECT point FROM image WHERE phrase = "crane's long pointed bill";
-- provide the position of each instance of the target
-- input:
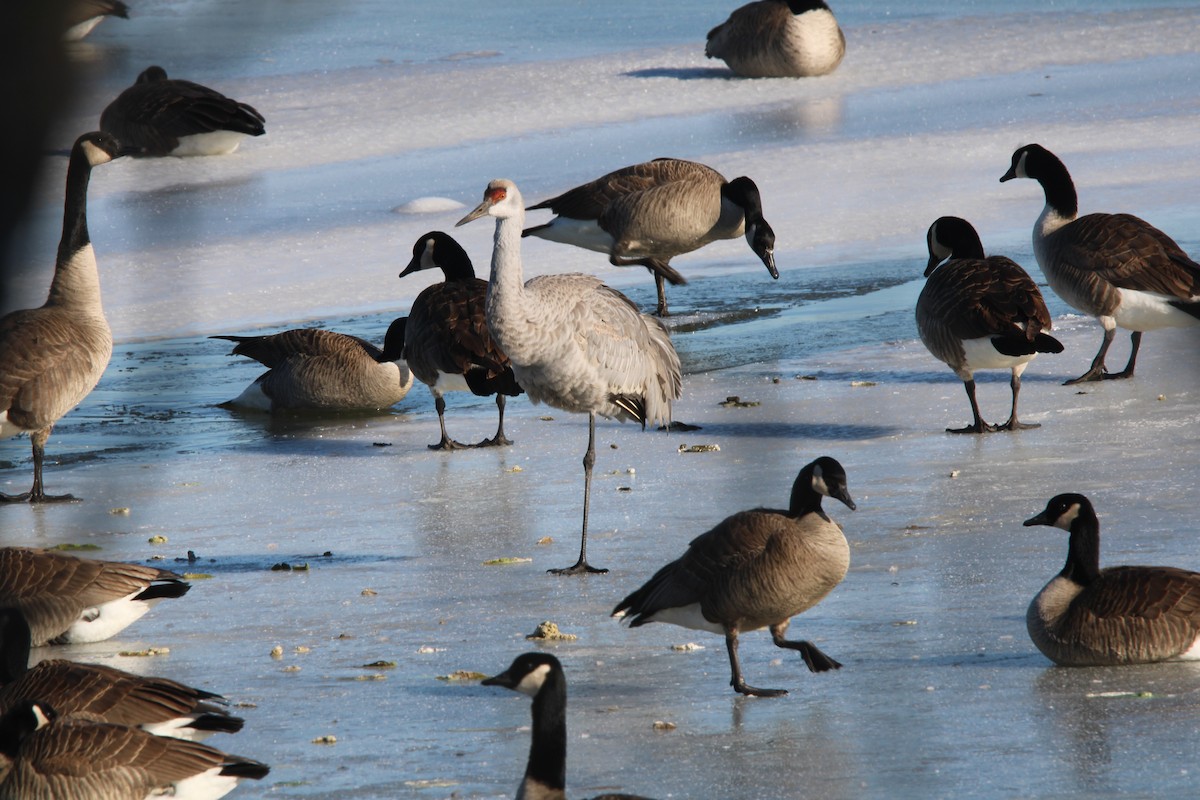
(481, 210)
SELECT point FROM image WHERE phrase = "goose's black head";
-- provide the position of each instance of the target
(1062, 511)
(951, 237)
(527, 673)
(824, 477)
(152, 74)
(743, 192)
(22, 720)
(439, 250)
(1030, 161)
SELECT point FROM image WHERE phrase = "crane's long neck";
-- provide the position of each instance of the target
(76, 278)
(506, 300)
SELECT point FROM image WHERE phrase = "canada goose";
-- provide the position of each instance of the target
(541, 676)
(646, 214)
(51, 357)
(573, 342)
(980, 312)
(81, 16)
(1116, 267)
(160, 706)
(1087, 616)
(315, 369)
(779, 39)
(447, 343)
(161, 116)
(72, 758)
(69, 600)
(755, 569)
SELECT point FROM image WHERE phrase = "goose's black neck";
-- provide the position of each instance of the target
(453, 259)
(14, 645)
(548, 751)
(393, 340)
(1056, 182)
(805, 499)
(75, 229)
(1083, 550)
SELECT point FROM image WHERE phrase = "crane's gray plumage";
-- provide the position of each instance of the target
(447, 343)
(779, 39)
(573, 342)
(51, 357)
(67, 599)
(541, 676)
(161, 116)
(1116, 267)
(646, 214)
(45, 755)
(1087, 616)
(320, 370)
(755, 569)
(158, 705)
(980, 312)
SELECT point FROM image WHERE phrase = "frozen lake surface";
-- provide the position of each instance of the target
(372, 119)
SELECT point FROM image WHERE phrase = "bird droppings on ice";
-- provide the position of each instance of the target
(699, 448)
(548, 632)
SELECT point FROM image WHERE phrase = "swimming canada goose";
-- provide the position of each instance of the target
(541, 676)
(45, 755)
(573, 342)
(315, 369)
(160, 706)
(447, 343)
(69, 600)
(1116, 267)
(646, 214)
(980, 312)
(161, 116)
(755, 569)
(81, 16)
(51, 357)
(1087, 616)
(779, 39)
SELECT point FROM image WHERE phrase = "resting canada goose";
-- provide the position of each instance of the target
(160, 706)
(779, 39)
(755, 569)
(69, 600)
(573, 342)
(81, 16)
(541, 676)
(72, 758)
(980, 312)
(1087, 616)
(1116, 267)
(646, 214)
(447, 343)
(161, 116)
(315, 369)
(52, 357)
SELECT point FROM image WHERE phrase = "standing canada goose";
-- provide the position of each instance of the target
(1087, 616)
(755, 569)
(160, 706)
(980, 312)
(74, 758)
(51, 357)
(779, 39)
(447, 343)
(1116, 267)
(541, 676)
(315, 369)
(646, 214)
(160, 116)
(82, 16)
(573, 342)
(69, 600)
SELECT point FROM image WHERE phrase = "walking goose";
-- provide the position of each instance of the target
(81, 16)
(755, 569)
(980, 312)
(45, 755)
(161, 116)
(1087, 616)
(51, 357)
(315, 369)
(541, 676)
(1116, 267)
(779, 39)
(158, 705)
(69, 600)
(447, 343)
(573, 342)
(646, 214)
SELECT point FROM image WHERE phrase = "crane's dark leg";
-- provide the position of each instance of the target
(589, 460)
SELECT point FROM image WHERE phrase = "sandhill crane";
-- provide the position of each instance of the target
(574, 343)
